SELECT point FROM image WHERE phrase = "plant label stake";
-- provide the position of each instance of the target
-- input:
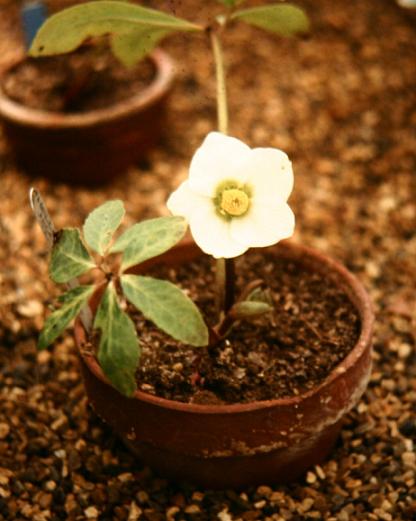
(42, 216)
(33, 15)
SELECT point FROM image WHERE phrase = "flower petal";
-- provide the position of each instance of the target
(212, 233)
(269, 172)
(185, 202)
(263, 225)
(219, 158)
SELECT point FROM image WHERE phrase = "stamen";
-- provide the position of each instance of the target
(234, 202)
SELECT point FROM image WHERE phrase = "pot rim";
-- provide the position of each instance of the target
(161, 83)
(359, 298)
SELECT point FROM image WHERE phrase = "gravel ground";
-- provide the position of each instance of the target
(342, 104)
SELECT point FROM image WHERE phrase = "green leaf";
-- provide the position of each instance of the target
(283, 19)
(69, 257)
(119, 349)
(250, 308)
(260, 295)
(66, 30)
(72, 303)
(101, 224)
(131, 47)
(168, 307)
(149, 238)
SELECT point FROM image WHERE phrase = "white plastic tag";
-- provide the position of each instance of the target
(42, 216)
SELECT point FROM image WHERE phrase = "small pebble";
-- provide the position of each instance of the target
(404, 350)
(306, 505)
(310, 478)
(135, 512)
(343, 516)
(409, 459)
(126, 476)
(43, 357)
(142, 497)
(264, 491)
(224, 516)
(192, 509)
(4, 430)
(50, 485)
(45, 500)
(320, 472)
(382, 514)
(4, 493)
(30, 309)
(91, 513)
(171, 512)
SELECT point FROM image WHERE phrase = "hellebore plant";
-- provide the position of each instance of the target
(235, 198)
(160, 301)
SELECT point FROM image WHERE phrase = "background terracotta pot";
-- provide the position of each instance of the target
(242, 444)
(92, 147)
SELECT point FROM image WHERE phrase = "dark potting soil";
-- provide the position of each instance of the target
(290, 350)
(87, 79)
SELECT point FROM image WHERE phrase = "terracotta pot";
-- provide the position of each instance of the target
(229, 446)
(91, 147)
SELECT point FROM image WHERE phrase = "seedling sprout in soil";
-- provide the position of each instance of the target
(234, 199)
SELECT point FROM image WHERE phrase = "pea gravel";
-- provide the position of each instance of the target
(341, 103)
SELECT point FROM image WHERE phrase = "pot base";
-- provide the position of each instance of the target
(275, 467)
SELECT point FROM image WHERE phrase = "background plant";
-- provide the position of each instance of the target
(135, 30)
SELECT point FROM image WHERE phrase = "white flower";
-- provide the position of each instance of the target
(235, 197)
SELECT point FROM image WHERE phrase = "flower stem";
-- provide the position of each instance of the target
(222, 106)
(225, 273)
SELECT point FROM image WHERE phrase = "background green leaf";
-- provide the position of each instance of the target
(101, 223)
(130, 47)
(69, 257)
(149, 238)
(119, 349)
(283, 19)
(168, 307)
(72, 303)
(66, 30)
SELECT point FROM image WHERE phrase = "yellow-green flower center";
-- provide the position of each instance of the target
(234, 202)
